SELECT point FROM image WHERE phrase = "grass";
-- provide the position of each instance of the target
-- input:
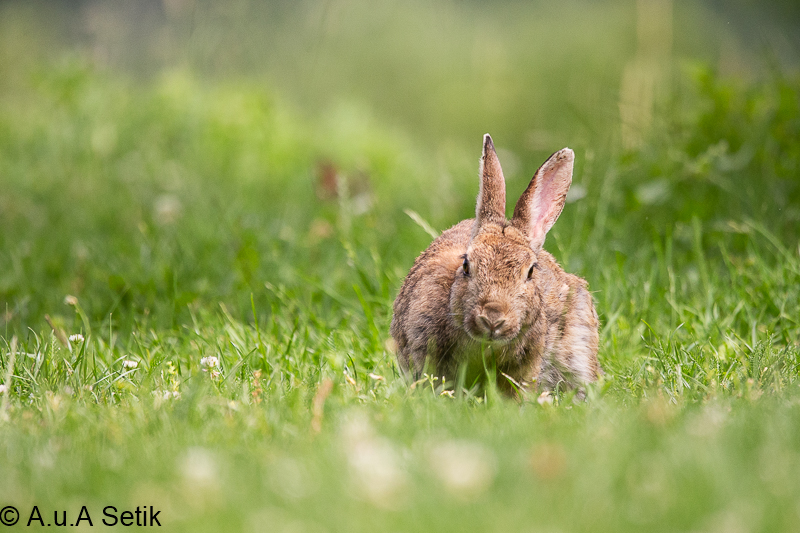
(195, 312)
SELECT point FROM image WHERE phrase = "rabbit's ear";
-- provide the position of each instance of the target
(492, 196)
(542, 202)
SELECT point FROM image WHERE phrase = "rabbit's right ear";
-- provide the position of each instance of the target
(542, 202)
(491, 206)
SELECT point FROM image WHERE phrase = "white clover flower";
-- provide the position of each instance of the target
(210, 361)
(166, 394)
(465, 468)
(199, 467)
(167, 209)
(76, 338)
(545, 398)
(375, 463)
(3, 389)
(130, 364)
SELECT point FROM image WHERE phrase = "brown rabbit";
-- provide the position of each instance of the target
(485, 287)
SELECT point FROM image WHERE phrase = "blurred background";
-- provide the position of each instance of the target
(199, 149)
(446, 70)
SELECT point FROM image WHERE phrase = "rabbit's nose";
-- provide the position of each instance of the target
(492, 317)
(492, 324)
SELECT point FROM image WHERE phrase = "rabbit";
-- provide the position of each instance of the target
(486, 287)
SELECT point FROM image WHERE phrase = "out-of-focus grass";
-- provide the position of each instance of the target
(230, 244)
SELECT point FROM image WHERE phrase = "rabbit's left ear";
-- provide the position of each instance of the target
(542, 202)
(491, 206)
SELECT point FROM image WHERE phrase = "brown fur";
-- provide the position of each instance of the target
(541, 330)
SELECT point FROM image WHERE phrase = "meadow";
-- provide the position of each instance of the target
(206, 214)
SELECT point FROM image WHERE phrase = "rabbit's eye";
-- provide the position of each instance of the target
(465, 266)
(530, 271)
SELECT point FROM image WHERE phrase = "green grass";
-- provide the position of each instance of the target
(175, 218)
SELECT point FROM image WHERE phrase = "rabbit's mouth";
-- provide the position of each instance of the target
(490, 340)
(498, 335)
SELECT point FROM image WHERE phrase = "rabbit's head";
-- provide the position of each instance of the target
(498, 290)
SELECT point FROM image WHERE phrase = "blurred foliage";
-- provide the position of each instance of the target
(733, 149)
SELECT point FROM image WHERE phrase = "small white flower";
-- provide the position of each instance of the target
(210, 361)
(3, 389)
(545, 398)
(130, 364)
(376, 464)
(466, 468)
(76, 338)
(167, 209)
(199, 467)
(166, 394)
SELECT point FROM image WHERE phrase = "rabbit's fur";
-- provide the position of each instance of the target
(485, 287)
